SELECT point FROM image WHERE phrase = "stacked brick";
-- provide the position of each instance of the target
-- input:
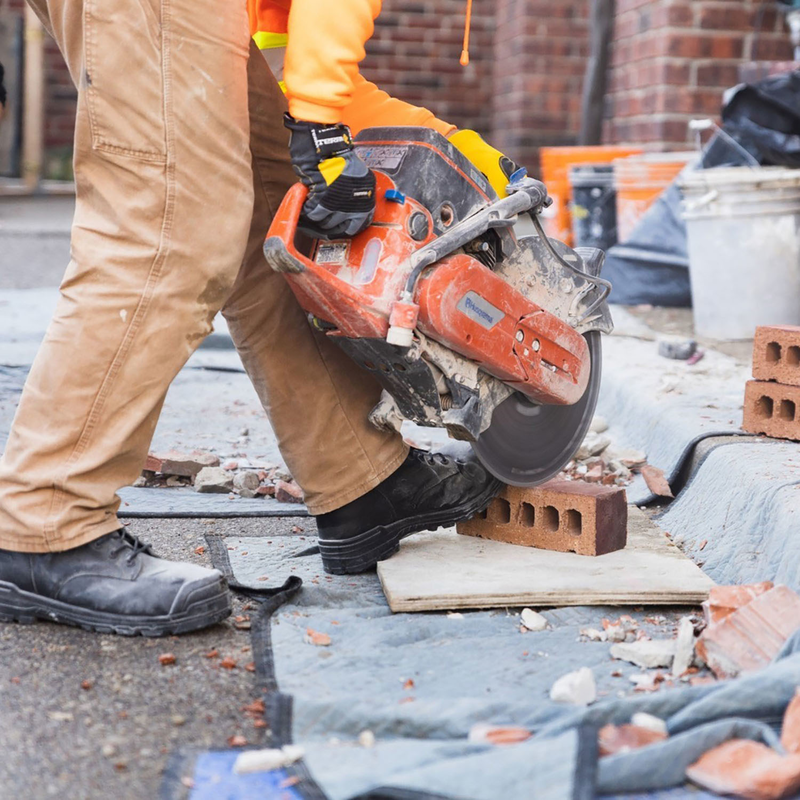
(772, 400)
(566, 516)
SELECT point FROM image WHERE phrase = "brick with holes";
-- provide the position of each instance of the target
(772, 408)
(776, 354)
(568, 516)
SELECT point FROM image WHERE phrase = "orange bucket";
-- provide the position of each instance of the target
(640, 180)
(556, 163)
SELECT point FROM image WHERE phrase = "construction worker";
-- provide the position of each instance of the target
(181, 159)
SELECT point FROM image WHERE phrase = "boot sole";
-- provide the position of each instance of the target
(362, 552)
(17, 605)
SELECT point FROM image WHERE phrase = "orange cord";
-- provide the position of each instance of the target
(468, 22)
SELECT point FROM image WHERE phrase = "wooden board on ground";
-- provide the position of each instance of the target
(442, 570)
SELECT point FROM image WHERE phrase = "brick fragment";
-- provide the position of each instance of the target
(183, 465)
(744, 768)
(749, 638)
(286, 492)
(772, 409)
(724, 600)
(790, 732)
(567, 516)
(776, 354)
(613, 739)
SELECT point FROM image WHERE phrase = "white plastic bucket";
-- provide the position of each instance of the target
(743, 229)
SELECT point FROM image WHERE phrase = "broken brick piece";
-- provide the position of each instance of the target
(749, 638)
(724, 600)
(790, 732)
(744, 768)
(776, 354)
(656, 481)
(567, 516)
(772, 409)
(613, 739)
(181, 464)
(286, 492)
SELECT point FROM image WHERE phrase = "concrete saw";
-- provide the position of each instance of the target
(465, 322)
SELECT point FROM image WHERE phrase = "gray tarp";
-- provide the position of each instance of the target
(478, 668)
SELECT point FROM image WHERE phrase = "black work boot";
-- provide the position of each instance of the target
(112, 585)
(428, 491)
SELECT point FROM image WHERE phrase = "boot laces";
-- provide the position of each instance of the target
(127, 541)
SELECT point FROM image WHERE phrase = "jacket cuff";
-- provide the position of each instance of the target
(313, 112)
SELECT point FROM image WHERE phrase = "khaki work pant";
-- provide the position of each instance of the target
(181, 159)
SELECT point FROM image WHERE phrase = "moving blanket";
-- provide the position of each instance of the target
(419, 682)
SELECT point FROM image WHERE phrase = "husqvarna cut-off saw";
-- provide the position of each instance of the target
(465, 324)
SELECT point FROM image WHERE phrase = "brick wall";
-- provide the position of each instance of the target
(541, 49)
(672, 60)
(414, 55)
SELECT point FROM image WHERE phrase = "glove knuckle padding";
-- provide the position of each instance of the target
(341, 187)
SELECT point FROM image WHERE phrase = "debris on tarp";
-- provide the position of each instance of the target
(577, 688)
(213, 480)
(268, 759)
(288, 492)
(532, 621)
(614, 739)
(684, 647)
(656, 481)
(483, 733)
(743, 768)
(181, 465)
(316, 638)
(747, 638)
(646, 653)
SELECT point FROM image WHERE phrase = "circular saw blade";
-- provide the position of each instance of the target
(526, 443)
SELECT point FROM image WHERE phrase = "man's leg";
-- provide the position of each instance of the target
(317, 398)
(164, 202)
(365, 487)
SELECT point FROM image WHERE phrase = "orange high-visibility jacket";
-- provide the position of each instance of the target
(324, 42)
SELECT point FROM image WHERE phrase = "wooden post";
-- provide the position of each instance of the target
(33, 101)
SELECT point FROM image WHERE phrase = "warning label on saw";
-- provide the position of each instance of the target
(481, 311)
(385, 157)
(332, 253)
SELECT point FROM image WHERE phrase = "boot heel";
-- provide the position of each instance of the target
(354, 555)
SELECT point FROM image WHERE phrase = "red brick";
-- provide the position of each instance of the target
(567, 516)
(286, 492)
(749, 638)
(772, 409)
(790, 730)
(614, 739)
(743, 768)
(776, 354)
(724, 600)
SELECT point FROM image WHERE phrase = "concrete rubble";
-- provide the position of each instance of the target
(532, 620)
(268, 759)
(646, 653)
(615, 739)
(213, 480)
(576, 688)
(684, 647)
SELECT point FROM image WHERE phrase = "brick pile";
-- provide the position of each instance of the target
(566, 516)
(772, 400)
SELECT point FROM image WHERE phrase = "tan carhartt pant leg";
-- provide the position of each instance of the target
(317, 398)
(164, 205)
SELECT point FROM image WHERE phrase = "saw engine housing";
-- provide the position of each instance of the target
(439, 298)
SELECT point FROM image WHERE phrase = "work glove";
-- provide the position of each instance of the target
(492, 163)
(341, 188)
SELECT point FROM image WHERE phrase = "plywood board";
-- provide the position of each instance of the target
(442, 570)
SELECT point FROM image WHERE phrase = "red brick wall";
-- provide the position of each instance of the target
(541, 49)
(414, 55)
(672, 60)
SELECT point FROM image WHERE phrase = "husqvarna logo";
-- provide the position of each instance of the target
(481, 311)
